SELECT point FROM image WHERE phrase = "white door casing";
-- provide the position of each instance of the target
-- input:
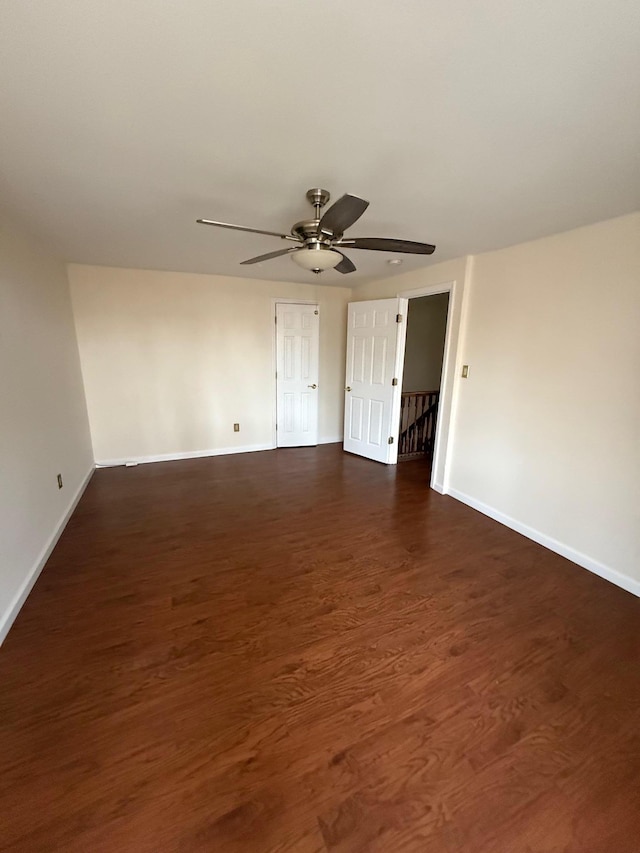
(449, 387)
(375, 351)
(297, 359)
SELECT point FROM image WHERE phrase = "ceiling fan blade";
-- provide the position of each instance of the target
(251, 230)
(341, 215)
(271, 255)
(384, 244)
(346, 265)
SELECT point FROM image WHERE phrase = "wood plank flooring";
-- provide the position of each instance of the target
(301, 650)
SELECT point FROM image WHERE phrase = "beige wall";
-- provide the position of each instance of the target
(43, 417)
(442, 273)
(547, 433)
(426, 326)
(172, 360)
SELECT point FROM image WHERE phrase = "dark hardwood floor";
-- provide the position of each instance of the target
(300, 650)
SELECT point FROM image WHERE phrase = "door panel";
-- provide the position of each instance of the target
(354, 420)
(375, 347)
(297, 347)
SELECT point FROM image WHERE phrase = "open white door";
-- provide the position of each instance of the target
(375, 350)
(297, 347)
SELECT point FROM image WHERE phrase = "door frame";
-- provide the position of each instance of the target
(403, 310)
(441, 461)
(275, 300)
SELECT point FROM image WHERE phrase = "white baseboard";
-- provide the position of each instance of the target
(196, 454)
(174, 457)
(624, 581)
(8, 617)
(330, 440)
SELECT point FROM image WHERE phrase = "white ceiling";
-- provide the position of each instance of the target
(473, 125)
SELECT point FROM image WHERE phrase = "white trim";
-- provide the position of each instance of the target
(442, 449)
(443, 485)
(8, 617)
(624, 581)
(199, 454)
(292, 301)
(174, 457)
(427, 290)
(398, 368)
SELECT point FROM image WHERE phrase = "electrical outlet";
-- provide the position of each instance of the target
(59, 481)
(236, 427)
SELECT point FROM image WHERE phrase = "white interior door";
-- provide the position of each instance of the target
(375, 350)
(297, 349)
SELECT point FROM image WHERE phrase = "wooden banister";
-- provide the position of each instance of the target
(418, 416)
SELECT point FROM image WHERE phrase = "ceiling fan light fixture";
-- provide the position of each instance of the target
(316, 260)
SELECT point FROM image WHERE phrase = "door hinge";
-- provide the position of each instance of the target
(275, 319)
(316, 311)
(398, 318)
(390, 440)
(394, 381)
(276, 427)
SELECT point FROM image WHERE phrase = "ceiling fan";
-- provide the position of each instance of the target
(321, 239)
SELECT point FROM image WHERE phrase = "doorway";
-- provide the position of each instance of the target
(422, 376)
(375, 359)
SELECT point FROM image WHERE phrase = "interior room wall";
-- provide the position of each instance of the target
(547, 434)
(441, 273)
(426, 327)
(544, 434)
(172, 360)
(43, 418)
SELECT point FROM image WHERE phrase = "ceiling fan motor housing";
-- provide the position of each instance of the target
(307, 229)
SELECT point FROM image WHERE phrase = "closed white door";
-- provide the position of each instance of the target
(375, 350)
(297, 350)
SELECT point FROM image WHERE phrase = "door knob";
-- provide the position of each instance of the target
(348, 388)
(312, 386)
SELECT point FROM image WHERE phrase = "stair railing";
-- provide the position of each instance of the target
(418, 417)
